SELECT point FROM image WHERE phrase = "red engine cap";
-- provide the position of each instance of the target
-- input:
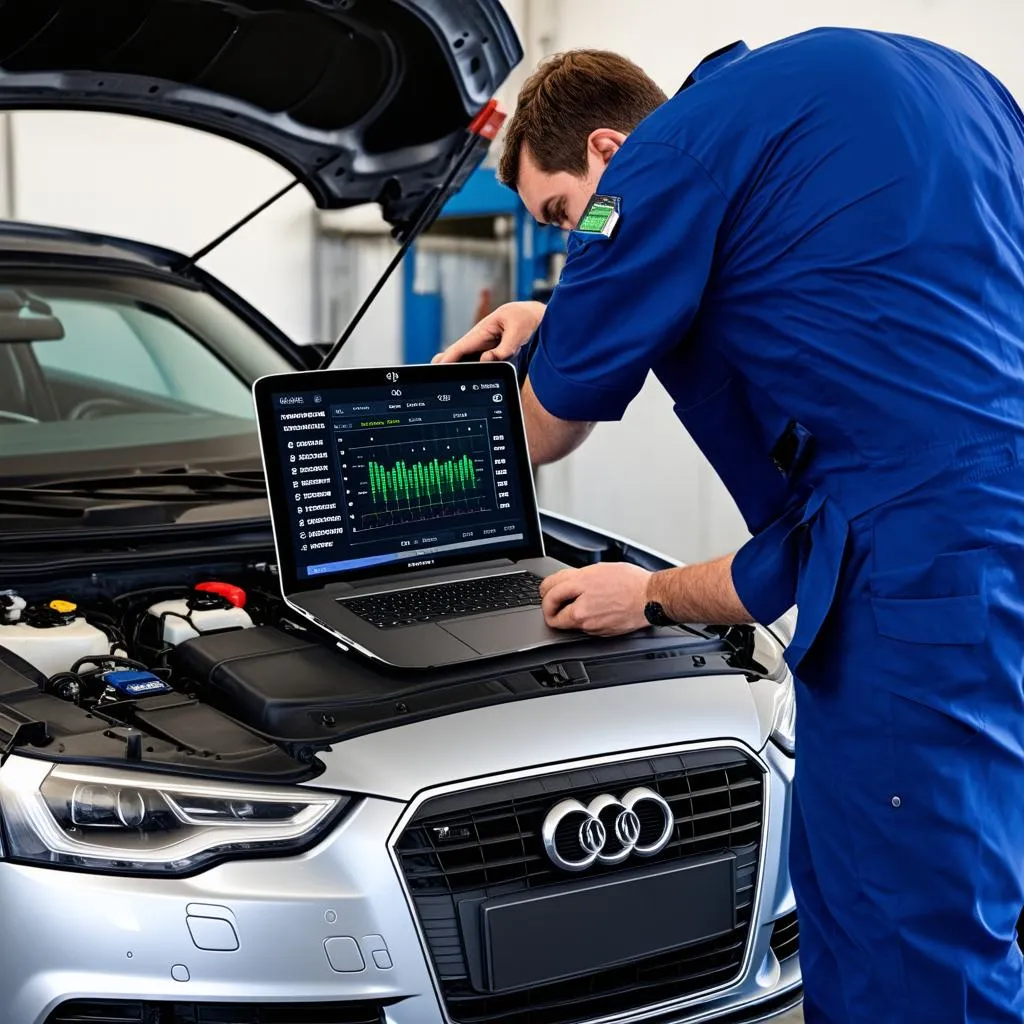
(236, 595)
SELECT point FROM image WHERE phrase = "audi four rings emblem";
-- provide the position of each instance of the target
(607, 830)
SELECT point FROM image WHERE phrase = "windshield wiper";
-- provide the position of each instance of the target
(190, 486)
(165, 485)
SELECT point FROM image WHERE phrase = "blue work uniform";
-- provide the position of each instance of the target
(819, 254)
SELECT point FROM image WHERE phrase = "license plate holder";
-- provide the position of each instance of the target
(583, 927)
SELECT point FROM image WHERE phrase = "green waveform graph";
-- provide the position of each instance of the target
(433, 480)
(417, 474)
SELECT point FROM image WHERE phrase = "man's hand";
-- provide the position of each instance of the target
(499, 335)
(606, 599)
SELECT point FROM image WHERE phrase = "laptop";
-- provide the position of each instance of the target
(404, 512)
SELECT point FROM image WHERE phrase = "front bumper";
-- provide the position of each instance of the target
(72, 936)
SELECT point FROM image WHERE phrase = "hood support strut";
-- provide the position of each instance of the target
(192, 260)
(480, 133)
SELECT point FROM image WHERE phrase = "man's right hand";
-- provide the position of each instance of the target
(499, 335)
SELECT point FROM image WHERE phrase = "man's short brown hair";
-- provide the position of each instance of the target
(569, 96)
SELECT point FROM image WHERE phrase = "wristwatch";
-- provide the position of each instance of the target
(656, 616)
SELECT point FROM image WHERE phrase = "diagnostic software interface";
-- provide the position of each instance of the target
(399, 474)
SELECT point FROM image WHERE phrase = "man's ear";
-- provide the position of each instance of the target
(604, 143)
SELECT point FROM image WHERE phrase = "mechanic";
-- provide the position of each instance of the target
(816, 246)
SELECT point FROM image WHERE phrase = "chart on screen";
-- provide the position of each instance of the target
(417, 473)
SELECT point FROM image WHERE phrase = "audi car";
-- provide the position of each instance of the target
(209, 814)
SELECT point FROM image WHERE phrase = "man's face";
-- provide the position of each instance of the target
(559, 198)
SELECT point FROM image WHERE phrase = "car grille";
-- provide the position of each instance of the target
(110, 1011)
(485, 843)
(786, 937)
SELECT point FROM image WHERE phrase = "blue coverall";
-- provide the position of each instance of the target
(819, 255)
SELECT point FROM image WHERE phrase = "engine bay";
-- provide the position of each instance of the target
(87, 672)
(206, 670)
(94, 657)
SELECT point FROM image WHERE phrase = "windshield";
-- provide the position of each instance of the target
(142, 374)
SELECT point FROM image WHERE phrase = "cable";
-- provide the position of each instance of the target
(149, 592)
(693, 631)
(102, 663)
(108, 625)
(74, 685)
(162, 653)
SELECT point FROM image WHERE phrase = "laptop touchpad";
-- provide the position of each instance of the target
(506, 632)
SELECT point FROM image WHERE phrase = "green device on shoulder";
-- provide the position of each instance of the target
(601, 216)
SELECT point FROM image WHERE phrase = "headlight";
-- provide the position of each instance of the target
(124, 822)
(769, 649)
(784, 716)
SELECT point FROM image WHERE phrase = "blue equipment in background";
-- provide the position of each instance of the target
(482, 196)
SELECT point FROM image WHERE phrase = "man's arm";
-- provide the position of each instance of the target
(699, 593)
(623, 303)
(549, 437)
(608, 599)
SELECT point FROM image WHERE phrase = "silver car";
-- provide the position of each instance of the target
(210, 815)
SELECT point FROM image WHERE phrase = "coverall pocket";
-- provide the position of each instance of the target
(932, 622)
(939, 602)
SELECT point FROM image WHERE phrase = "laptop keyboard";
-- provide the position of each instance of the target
(447, 600)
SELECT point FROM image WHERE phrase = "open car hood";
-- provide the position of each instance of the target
(363, 100)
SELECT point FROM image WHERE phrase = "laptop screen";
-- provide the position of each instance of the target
(380, 471)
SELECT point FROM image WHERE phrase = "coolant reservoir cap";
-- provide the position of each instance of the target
(63, 607)
(236, 595)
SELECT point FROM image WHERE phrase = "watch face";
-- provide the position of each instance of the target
(655, 614)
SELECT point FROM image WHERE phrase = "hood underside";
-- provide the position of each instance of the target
(363, 100)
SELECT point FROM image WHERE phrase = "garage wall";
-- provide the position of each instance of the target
(668, 37)
(179, 188)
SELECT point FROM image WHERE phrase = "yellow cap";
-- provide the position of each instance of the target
(64, 607)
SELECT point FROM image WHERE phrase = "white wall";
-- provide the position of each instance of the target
(668, 37)
(175, 187)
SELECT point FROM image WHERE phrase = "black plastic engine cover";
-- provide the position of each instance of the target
(301, 688)
(20, 684)
(17, 676)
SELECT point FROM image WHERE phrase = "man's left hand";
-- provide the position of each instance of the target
(606, 599)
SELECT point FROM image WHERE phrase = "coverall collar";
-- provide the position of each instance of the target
(715, 62)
